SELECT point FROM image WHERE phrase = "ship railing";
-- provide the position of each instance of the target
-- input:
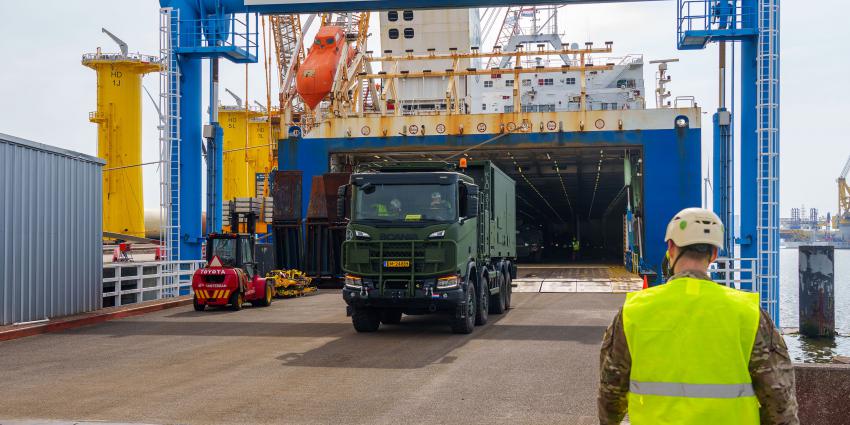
(737, 273)
(708, 15)
(686, 101)
(234, 36)
(130, 283)
(118, 56)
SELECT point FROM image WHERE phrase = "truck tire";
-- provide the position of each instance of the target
(465, 325)
(268, 295)
(390, 317)
(366, 320)
(483, 307)
(198, 306)
(497, 302)
(236, 300)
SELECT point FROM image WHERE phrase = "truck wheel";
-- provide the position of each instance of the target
(366, 320)
(481, 313)
(509, 289)
(390, 317)
(465, 325)
(497, 302)
(198, 306)
(267, 297)
(236, 300)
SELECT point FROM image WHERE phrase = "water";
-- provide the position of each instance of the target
(808, 350)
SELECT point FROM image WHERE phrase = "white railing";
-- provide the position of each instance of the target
(130, 283)
(117, 56)
(738, 273)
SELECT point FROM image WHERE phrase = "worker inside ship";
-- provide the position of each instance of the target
(389, 202)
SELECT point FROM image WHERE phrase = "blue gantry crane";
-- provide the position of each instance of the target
(193, 30)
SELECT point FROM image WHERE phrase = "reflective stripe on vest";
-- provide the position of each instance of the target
(677, 389)
(690, 342)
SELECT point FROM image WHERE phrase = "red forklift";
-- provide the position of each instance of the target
(232, 276)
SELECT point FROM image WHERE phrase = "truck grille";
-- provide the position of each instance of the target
(395, 284)
(425, 257)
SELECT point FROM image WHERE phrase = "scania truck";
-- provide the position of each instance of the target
(426, 237)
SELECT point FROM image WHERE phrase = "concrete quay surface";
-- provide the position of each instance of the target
(301, 362)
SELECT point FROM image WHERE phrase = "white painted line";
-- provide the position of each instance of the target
(523, 285)
(558, 286)
(621, 287)
(590, 286)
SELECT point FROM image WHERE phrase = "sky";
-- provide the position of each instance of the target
(46, 94)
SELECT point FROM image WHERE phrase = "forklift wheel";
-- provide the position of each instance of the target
(198, 306)
(267, 297)
(236, 301)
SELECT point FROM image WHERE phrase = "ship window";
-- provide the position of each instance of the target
(483, 106)
(408, 33)
(626, 84)
(509, 108)
(393, 33)
(494, 76)
(392, 16)
(488, 83)
(526, 82)
(330, 40)
(317, 42)
(571, 80)
(509, 83)
(547, 82)
(408, 15)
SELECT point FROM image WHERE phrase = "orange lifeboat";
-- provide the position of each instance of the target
(316, 74)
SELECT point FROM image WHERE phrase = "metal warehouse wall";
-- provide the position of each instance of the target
(51, 255)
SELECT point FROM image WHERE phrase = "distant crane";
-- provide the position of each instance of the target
(842, 219)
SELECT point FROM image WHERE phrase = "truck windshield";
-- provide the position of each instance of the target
(409, 203)
(225, 249)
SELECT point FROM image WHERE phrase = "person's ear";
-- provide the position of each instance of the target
(714, 254)
(671, 247)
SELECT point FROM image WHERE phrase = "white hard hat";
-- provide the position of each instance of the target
(693, 226)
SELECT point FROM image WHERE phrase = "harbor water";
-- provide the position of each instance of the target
(809, 350)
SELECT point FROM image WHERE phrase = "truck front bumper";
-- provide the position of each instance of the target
(424, 300)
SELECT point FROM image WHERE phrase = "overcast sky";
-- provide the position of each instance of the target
(46, 94)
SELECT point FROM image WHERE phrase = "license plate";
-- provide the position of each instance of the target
(397, 263)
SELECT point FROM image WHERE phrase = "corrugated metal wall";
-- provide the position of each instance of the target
(51, 256)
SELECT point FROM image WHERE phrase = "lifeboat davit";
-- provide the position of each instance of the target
(316, 74)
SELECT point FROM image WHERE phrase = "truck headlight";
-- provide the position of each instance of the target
(359, 234)
(353, 282)
(437, 234)
(448, 282)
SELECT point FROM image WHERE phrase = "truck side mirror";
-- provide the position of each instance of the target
(341, 195)
(471, 201)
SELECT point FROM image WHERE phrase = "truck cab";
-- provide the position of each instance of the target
(415, 244)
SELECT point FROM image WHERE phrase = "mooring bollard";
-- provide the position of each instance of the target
(817, 291)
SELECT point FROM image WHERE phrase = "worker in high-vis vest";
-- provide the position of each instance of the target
(692, 351)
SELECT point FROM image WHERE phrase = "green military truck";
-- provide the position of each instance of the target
(428, 238)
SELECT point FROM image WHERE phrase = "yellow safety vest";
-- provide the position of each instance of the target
(690, 342)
